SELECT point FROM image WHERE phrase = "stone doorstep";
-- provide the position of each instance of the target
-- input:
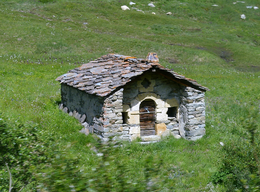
(150, 138)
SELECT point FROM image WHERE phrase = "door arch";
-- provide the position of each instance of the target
(147, 117)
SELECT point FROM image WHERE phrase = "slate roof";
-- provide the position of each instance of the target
(110, 72)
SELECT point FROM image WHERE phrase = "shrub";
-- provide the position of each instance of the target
(240, 169)
(20, 151)
(109, 173)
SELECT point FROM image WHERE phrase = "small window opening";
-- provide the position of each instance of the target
(172, 112)
(146, 83)
(124, 117)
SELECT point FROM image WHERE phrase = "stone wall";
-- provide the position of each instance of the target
(112, 117)
(193, 101)
(85, 107)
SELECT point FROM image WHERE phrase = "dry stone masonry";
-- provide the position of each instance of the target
(128, 98)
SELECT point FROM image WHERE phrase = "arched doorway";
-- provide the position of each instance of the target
(147, 117)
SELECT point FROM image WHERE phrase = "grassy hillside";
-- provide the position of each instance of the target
(41, 39)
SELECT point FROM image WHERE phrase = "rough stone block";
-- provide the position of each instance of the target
(196, 121)
(85, 124)
(170, 126)
(65, 110)
(135, 136)
(195, 138)
(82, 118)
(160, 128)
(106, 130)
(196, 132)
(176, 136)
(190, 109)
(98, 127)
(110, 115)
(109, 134)
(119, 121)
(125, 137)
(114, 98)
(126, 128)
(134, 130)
(166, 133)
(133, 118)
(118, 110)
(85, 131)
(61, 106)
(159, 103)
(162, 110)
(162, 116)
(200, 109)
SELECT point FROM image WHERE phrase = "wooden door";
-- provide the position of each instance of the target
(147, 117)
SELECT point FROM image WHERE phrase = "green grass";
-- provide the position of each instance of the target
(41, 41)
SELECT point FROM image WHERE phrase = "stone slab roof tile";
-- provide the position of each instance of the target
(112, 71)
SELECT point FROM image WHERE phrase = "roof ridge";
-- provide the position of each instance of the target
(109, 72)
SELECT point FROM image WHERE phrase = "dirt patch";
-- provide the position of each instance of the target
(172, 60)
(251, 68)
(222, 53)
(226, 55)
(201, 48)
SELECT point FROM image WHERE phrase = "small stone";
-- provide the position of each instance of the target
(85, 124)
(195, 138)
(151, 5)
(170, 126)
(124, 8)
(177, 136)
(82, 118)
(65, 110)
(166, 133)
(196, 132)
(85, 131)
(61, 106)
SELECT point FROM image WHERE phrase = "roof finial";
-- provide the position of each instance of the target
(152, 57)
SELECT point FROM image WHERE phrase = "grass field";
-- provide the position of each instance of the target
(40, 40)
